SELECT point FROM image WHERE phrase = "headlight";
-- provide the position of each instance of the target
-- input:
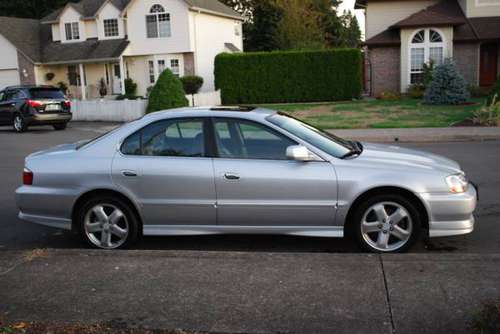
(457, 183)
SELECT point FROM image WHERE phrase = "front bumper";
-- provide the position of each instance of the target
(49, 118)
(451, 214)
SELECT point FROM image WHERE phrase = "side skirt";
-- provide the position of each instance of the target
(308, 231)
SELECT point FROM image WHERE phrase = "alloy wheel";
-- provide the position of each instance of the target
(106, 226)
(18, 123)
(386, 226)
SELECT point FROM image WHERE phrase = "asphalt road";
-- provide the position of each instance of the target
(480, 160)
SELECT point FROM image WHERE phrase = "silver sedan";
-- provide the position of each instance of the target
(201, 171)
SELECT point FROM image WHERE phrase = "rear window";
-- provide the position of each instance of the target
(46, 93)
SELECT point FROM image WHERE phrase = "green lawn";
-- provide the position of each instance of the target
(404, 113)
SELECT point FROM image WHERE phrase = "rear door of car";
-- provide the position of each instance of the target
(166, 168)
(257, 186)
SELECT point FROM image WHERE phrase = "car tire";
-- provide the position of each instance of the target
(19, 123)
(386, 224)
(107, 222)
(60, 127)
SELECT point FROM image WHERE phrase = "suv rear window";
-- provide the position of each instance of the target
(46, 93)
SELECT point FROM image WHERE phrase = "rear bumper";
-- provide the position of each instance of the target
(48, 119)
(451, 214)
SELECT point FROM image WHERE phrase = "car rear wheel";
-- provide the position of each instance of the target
(59, 127)
(386, 224)
(107, 223)
(19, 123)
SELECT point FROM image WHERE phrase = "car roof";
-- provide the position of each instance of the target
(236, 112)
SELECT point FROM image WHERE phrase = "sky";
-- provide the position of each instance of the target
(349, 5)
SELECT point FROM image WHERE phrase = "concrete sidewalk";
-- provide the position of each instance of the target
(421, 134)
(235, 292)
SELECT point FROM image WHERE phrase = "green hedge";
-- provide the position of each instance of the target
(289, 76)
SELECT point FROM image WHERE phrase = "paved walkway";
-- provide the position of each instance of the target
(421, 134)
(238, 292)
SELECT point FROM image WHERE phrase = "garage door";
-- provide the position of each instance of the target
(8, 78)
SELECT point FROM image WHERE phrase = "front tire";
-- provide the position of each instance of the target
(60, 127)
(386, 224)
(107, 223)
(19, 124)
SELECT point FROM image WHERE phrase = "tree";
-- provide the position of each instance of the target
(260, 29)
(448, 86)
(191, 85)
(350, 33)
(34, 9)
(167, 93)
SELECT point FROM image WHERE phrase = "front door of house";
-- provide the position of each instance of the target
(488, 64)
(117, 83)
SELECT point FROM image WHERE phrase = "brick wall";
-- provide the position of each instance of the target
(26, 70)
(466, 57)
(385, 69)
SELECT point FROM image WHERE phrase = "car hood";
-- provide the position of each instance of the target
(391, 155)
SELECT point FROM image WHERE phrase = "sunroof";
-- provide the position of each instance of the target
(236, 108)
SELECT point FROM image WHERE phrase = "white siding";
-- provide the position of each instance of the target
(381, 15)
(482, 8)
(109, 11)
(70, 15)
(90, 29)
(8, 78)
(211, 33)
(56, 33)
(8, 60)
(178, 42)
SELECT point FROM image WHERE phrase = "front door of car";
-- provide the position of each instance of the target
(257, 186)
(165, 167)
(7, 107)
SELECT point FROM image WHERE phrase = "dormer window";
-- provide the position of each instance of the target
(72, 31)
(158, 22)
(110, 27)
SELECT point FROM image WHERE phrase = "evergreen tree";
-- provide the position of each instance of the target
(167, 93)
(350, 33)
(447, 86)
(33, 9)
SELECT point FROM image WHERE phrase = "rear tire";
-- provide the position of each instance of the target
(60, 127)
(107, 223)
(386, 224)
(19, 123)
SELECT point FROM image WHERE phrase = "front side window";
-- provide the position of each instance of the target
(426, 45)
(158, 22)
(174, 67)
(169, 138)
(240, 139)
(151, 67)
(111, 27)
(72, 31)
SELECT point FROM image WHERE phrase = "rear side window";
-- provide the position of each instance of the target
(169, 138)
(46, 93)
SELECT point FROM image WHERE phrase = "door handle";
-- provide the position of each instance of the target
(231, 176)
(129, 173)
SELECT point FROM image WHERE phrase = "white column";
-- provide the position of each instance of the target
(83, 83)
(122, 75)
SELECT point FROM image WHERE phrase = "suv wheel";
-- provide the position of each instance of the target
(107, 223)
(19, 123)
(59, 127)
(386, 224)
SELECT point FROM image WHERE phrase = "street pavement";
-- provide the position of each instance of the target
(248, 284)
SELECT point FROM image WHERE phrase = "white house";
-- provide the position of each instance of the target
(84, 42)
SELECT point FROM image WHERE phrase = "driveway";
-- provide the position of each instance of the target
(480, 159)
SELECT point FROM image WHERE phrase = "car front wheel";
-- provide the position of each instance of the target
(107, 223)
(386, 224)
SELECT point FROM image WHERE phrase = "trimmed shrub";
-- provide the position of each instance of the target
(191, 84)
(167, 93)
(130, 87)
(289, 76)
(447, 86)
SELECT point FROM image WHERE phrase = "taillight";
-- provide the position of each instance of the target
(27, 177)
(34, 104)
(67, 104)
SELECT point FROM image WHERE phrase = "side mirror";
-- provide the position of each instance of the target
(298, 153)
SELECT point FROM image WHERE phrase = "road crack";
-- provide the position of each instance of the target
(387, 297)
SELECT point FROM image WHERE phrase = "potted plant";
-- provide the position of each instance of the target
(103, 88)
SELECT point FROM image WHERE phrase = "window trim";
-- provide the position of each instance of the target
(216, 155)
(206, 138)
(426, 45)
(156, 15)
(72, 26)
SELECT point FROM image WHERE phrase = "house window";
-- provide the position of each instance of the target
(72, 31)
(110, 27)
(161, 66)
(158, 22)
(426, 45)
(151, 65)
(174, 67)
(73, 76)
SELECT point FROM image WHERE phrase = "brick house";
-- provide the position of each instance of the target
(403, 35)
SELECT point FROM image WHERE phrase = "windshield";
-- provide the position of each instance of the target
(323, 140)
(46, 93)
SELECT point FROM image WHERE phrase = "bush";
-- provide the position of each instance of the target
(476, 91)
(128, 97)
(130, 87)
(416, 91)
(495, 91)
(289, 76)
(191, 84)
(167, 93)
(447, 86)
(389, 96)
(489, 114)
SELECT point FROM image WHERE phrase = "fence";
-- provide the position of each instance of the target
(127, 110)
